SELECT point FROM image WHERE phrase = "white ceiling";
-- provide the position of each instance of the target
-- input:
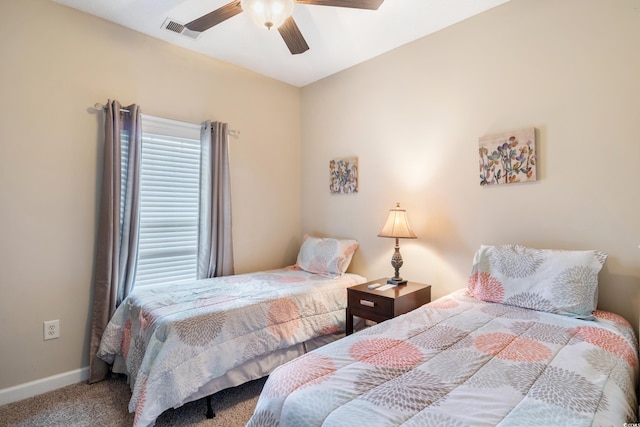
(338, 37)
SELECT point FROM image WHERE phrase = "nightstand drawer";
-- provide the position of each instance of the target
(378, 306)
(374, 303)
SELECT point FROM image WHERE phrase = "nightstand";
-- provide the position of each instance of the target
(372, 304)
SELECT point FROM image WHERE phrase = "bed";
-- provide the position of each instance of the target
(522, 344)
(181, 342)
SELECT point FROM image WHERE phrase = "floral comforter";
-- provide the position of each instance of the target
(176, 338)
(462, 362)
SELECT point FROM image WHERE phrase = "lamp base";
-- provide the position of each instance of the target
(395, 282)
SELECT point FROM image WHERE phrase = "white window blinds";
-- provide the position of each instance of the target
(169, 186)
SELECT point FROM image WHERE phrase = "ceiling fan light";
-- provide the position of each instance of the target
(268, 13)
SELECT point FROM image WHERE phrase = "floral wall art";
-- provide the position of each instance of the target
(508, 157)
(343, 175)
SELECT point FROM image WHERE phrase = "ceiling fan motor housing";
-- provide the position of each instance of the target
(273, 14)
(268, 13)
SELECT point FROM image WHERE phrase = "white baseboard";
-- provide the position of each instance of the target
(43, 385)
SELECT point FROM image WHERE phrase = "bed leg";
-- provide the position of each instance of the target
(210, 413)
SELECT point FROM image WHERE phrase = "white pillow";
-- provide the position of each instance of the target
(557, 281)
(326, 256)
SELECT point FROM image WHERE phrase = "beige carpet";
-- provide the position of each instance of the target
(105, 404)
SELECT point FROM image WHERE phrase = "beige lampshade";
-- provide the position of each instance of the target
(397, 225)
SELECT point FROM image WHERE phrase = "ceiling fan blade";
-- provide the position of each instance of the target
(214, 18)
(293, 37)
(356, 4)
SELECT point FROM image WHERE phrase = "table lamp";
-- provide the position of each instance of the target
(397, 226)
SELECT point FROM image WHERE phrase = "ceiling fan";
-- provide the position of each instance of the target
(274, 13)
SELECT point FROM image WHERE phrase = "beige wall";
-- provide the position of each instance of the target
(56, 64)
(412, 116)
(570, 68)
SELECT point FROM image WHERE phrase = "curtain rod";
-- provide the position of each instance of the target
(231, 132)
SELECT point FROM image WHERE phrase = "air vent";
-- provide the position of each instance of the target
(176, 27)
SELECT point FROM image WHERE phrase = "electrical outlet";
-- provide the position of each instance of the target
(51, 329)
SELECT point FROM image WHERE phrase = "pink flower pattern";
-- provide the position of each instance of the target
(386, 352)
(283, 318)
(461, 361)
(304, 371)
(608, 341)
(486, 287)
(512, 347)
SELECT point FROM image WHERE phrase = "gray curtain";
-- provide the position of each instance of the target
(118, 226)
(215, 248)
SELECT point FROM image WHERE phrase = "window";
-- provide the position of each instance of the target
(169, 187)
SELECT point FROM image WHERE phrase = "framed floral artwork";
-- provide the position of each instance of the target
(508, 157)
(343, 175)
